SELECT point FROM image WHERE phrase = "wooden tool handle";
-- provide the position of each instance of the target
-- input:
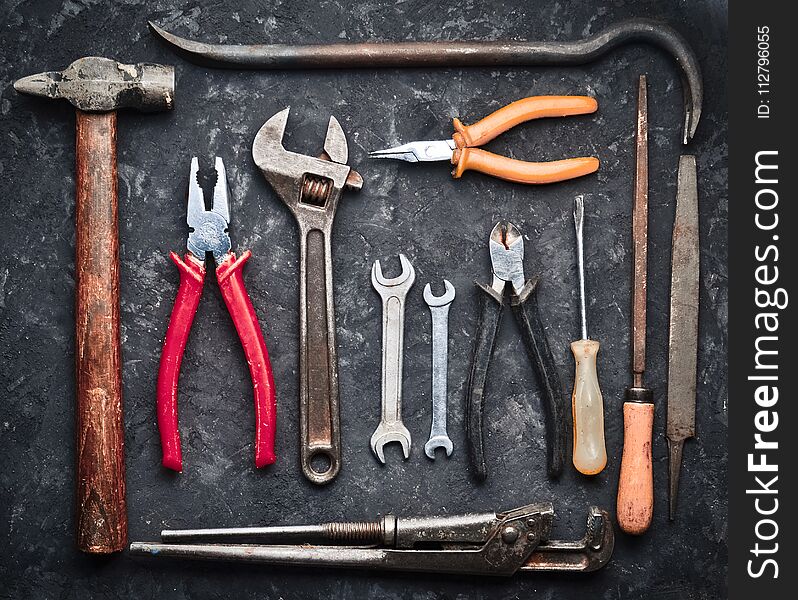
(101, 509)
(636, 485)
(590, 452)
(519, 171)
(520, 111)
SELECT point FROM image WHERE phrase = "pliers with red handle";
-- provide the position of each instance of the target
(208, 233)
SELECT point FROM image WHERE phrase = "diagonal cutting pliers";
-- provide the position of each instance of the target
(464, 153)
(507, 258)
(208, 232)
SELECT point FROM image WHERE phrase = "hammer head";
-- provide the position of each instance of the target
(95, 84)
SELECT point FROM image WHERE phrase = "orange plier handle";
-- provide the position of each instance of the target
(468, 157)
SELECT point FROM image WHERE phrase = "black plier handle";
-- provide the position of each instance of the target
(525, 309)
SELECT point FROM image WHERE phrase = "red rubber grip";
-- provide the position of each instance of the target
(192, 276)
(231, 283)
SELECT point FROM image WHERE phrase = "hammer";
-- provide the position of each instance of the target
(97, 87)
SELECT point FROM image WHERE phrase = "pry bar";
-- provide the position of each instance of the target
(456, 54)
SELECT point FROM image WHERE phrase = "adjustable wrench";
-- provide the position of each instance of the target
(439, 308)
(393, 293)
(311, 188)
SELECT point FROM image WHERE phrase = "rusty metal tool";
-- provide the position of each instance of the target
(208, 233)
(683, 347)
(464, 153)
(449, 54)
(499, 544)
(311, 188)
(97, 87)
(635, 501)
(507, 258)
(590, 451)
(393, 293)
(439, 310)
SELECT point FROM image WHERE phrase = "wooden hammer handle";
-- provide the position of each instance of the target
(101, 508)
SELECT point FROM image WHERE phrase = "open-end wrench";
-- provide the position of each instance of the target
(393, 293)
(439, 308)
(311, 188)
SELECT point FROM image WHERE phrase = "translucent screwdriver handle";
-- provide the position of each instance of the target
(590, 453)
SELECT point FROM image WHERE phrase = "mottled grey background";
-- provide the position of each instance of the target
(441, 224)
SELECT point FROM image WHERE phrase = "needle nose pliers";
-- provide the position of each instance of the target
(507, 258)
(463, 149)
(208, 232)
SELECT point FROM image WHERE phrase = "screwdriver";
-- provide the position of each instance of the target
(590, 453)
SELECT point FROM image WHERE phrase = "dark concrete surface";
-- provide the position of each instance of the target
(441, 224)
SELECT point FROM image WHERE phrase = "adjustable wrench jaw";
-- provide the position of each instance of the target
(311, 187)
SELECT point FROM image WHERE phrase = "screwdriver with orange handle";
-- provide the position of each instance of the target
(590, 452)
(464, 153)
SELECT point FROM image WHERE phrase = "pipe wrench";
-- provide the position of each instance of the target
(498, 544)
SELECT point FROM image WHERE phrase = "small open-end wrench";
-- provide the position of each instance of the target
(439, 308)
(393, 293)
(311, 188)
